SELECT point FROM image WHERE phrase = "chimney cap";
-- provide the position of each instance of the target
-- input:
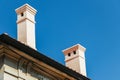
(26, 7)
(73, 48)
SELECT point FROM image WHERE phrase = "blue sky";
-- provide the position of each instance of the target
(95, 24)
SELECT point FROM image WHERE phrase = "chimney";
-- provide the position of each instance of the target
(75, 58)
(26, 25)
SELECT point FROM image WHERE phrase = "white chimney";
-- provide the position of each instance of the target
(26, 25)
(75, 58)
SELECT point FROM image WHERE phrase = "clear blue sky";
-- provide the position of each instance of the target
(95, 24)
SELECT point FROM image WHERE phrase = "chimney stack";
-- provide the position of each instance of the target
(26, 25)
(75, 58)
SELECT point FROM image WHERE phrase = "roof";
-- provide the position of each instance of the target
(4, 38)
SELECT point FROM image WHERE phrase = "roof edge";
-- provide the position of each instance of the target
(5, 38)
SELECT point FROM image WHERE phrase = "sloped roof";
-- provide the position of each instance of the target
(4, 38)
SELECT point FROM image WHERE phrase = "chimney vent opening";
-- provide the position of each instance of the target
(22, 14)
(69, 54)
(74, 52)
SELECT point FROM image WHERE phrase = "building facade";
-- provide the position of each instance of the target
(19, 59)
